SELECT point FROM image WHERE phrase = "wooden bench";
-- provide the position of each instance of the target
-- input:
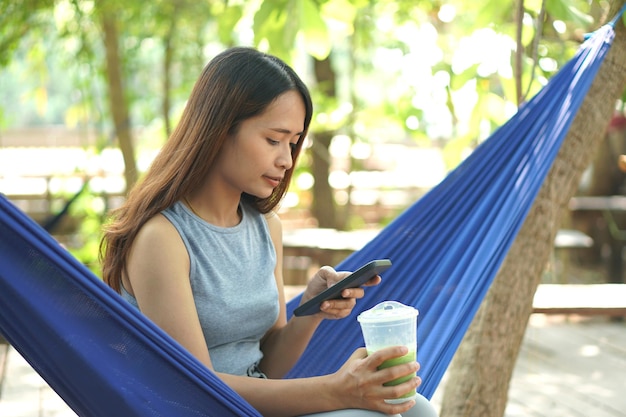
(572, 239)
(579, 299)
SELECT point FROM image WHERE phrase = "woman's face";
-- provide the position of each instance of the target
(255, 158)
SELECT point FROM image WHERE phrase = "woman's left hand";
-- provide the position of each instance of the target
(340, 307)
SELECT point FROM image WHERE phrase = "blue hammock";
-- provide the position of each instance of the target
(105, 359)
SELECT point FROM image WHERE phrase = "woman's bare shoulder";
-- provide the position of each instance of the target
(158, 236)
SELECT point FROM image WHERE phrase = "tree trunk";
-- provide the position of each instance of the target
(169, 50)
(323, 200)
(480, 373)
(168, 59)
(117, 100)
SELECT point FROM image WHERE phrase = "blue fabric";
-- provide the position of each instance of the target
(447, 248)
(94, 349)
(105, 359)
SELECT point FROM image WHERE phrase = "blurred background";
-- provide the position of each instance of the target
(403, 91)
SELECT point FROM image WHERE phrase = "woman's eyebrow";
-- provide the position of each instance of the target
(287, 131)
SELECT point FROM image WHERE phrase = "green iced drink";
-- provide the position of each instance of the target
(409, 357)
(391, 323)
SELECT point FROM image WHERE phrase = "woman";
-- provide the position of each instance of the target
(198, 249)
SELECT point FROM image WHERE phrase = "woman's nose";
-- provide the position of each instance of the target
(285, 158)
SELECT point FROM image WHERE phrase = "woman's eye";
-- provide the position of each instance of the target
(272, 141)
(293, 146)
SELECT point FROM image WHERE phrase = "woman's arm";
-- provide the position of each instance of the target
(358, 384)
(158, 277)
(285, 342)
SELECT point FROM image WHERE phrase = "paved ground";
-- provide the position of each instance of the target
(25, 394)
(573, 369)
(567, 367)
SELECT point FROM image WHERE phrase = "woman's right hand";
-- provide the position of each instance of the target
(360, 382)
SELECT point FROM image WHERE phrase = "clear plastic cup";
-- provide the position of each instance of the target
(391, 323)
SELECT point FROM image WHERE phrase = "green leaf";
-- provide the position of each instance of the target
(269, 19)
(494, 107)
(565, 11)
(340, 10)
(277, 23)
(457, 81)
(493, 12)
(534, 5)
(314, 30)
(227, 21)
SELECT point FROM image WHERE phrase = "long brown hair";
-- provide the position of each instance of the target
(236, 85)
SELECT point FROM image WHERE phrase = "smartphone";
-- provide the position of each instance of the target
(355, 279)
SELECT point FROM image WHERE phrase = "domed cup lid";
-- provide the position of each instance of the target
(387, 311)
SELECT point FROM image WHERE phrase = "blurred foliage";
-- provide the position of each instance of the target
(406, 69)
(90, 209)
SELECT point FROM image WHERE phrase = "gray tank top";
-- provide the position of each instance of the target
(233, 284)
